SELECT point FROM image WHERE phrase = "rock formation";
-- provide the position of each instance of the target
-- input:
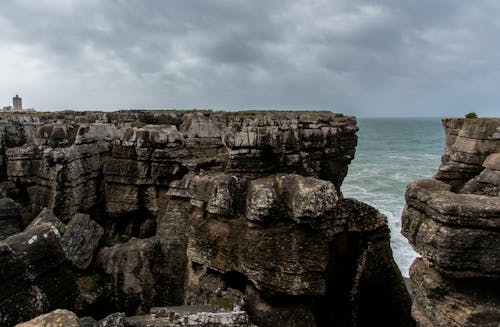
(163, 208)
(453, 221)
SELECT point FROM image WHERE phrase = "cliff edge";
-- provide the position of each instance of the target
(134, 210)
(453, 221)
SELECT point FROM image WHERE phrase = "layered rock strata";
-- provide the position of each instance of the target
(229, 210)
(453, 221)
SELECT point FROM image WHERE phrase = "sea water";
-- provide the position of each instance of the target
(391, 153)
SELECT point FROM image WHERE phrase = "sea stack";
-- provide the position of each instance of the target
(453, 221)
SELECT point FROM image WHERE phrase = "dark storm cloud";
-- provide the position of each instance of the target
(388, 57)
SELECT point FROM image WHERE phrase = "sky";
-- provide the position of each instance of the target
(364, 58)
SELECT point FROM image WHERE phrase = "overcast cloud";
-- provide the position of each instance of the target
(367, 58)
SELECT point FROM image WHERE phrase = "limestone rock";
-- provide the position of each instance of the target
(46, 216)
(10, 218)
(131, 272)
(34, 278)
(113, 320)
(468, 143)
(443, 301)
(453, 221)
(207, 208)
(456, 233)
(56, 318)
(80, 240)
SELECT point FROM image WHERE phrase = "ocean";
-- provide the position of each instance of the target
(390, 153)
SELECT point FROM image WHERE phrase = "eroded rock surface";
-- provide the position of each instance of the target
(229, 210)
(453, 221)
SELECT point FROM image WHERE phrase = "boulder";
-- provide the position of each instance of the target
(80, 240)
(56, 318)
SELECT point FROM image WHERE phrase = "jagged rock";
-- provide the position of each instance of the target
(87, 322)
(80, 240)
(116, 319)
(10, 218)
(56, 318)
(7, 188)
(46, 216)
(443, 301)
(66, 180)
(468, 143)
(96, 132)
(224, 209)
(454, 223)
(34, 279)
(273, 254)
(190, 316)
(456, 233)
(488, 181)
(130, 274)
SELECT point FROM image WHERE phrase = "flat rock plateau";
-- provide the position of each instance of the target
(198, 218)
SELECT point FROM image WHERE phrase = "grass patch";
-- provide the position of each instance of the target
(111, 241)
(61, 227)
(89, 283)
(223, 303)
(138, 124)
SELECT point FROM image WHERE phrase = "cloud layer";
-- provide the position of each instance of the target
(383, 58)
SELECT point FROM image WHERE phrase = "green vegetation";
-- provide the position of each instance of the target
(471, 115)
(61, 227)
(138, 124)
(223, 303)
(89, 283)
(111, 241)
(71, 134)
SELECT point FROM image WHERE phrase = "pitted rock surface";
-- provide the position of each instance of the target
(453, 221)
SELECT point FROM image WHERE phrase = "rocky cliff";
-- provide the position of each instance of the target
(126, 211)
(453, 221)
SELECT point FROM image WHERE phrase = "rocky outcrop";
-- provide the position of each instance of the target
(56, 318)
(80, 240)
(34, 277)
(226, 210)
(453, 221)
(468, 143)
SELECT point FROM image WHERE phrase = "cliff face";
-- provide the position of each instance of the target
(197, 208)
(453, 221)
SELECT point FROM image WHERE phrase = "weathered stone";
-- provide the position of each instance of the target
(130, 274)
(190, 316)
(10, 218)
(80, 240)
(56, 318)
(222, 209)
(34, 279)
(113, 320)
(468, 143)
(456, 280)
(442, 301)
(46, 216)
